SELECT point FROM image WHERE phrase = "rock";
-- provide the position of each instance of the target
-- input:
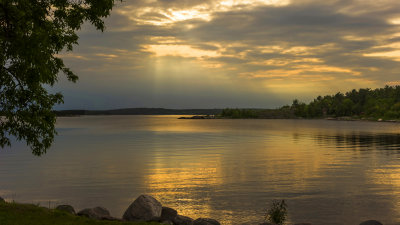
(205, 221)
(182, 220)
(2, 200)
(167, 222)
(168, 214)
(145, 208)
(66, 208)
(198, 117)
(111, 218)
(98, 213)
(371, 222)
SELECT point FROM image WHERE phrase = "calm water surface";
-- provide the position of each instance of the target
(329, 172)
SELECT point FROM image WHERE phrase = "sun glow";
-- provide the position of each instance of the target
(234, 3)
(395, 55)
(152, 14)
(195, 13)
(179, 50)
(395, 21)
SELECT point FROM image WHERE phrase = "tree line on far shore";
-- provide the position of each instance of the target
(364, 103)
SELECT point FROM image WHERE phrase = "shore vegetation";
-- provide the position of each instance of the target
(380, 103)
(12, 213)
(364, 104)
(277, 213)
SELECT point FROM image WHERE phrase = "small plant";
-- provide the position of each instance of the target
(277, 213)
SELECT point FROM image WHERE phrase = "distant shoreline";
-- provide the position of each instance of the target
(137, 111)
(195, 114)
(325, 118)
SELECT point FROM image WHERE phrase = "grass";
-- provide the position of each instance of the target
(277, 213)
(28, 214)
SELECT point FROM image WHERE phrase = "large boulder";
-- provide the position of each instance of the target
(167, 222)
(182, 220)
(205, 221)
(98, 213)
(168, 214)
(371, 222)
(66, 208)
(144, 208)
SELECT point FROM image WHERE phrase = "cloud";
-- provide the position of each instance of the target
(264, 47)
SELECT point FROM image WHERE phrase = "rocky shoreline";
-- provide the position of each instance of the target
(148, 209)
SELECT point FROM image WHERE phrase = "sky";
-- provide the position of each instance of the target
(232, 53)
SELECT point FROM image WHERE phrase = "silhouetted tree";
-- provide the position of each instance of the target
(32, 33)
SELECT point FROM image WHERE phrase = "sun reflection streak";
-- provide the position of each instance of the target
(174, 184)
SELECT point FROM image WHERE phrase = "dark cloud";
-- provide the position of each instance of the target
(259, 49)
(180, 3)
(297, 25)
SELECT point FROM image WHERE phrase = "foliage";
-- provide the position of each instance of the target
(239, 113)
(32, 34)
(277, 213)
(364, 103)
(17, 214)
(284, 112)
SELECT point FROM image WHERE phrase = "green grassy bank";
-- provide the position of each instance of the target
(28, 214)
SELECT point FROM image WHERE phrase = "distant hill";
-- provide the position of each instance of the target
(140, 111)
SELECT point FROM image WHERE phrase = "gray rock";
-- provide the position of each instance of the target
(144, 208)
(154, 219)
(111, 218)
(182, 220)
(168, 214)
(371, 222)
(167, 222)
(66, 208)
(98, 213)
(205, 221)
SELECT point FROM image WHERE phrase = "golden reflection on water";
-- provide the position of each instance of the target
(173, 183)
(388, 176)
(283, 162)
(186, 125)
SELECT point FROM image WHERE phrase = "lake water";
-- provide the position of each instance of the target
(329, 172)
